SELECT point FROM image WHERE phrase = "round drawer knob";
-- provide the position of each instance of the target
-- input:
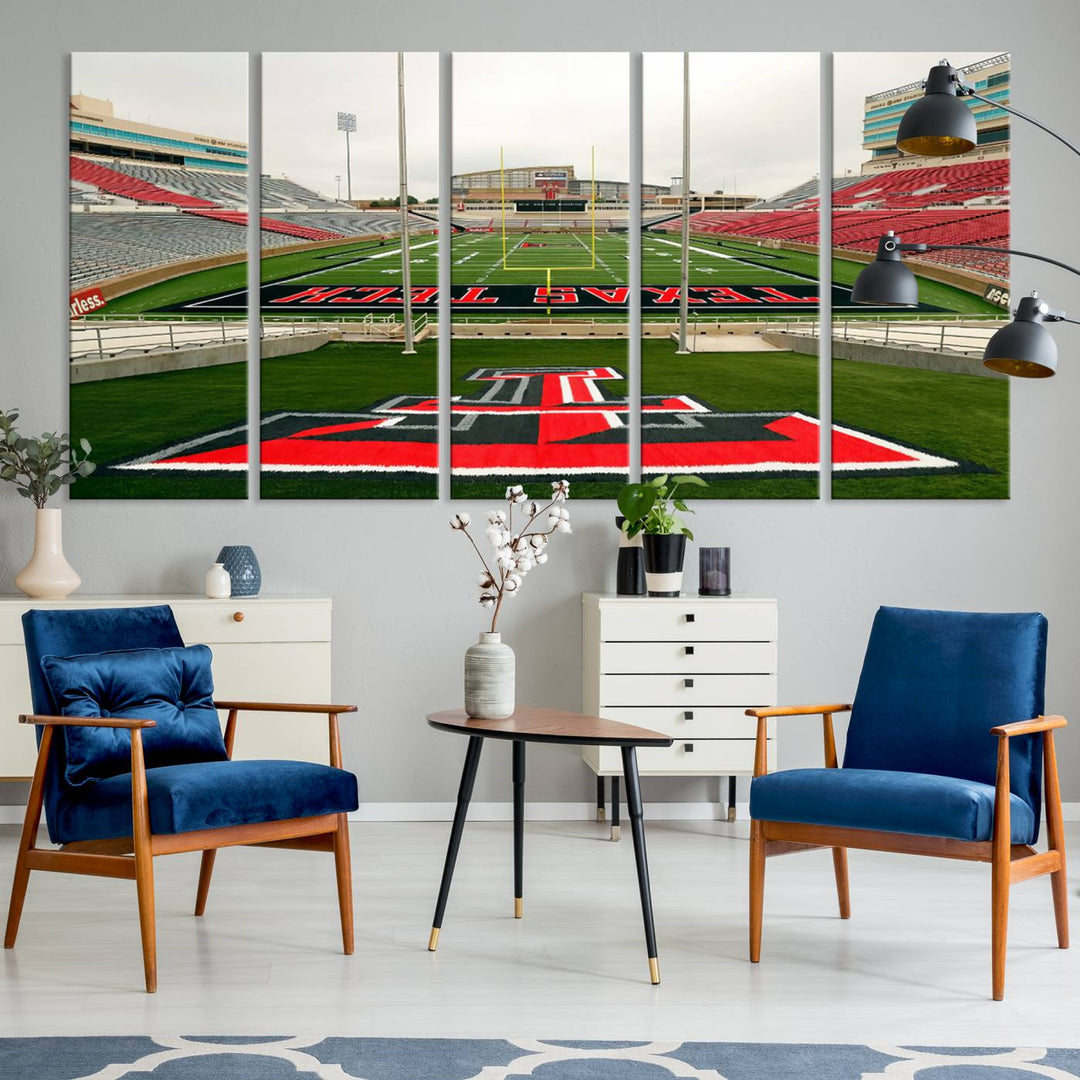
(238, 616)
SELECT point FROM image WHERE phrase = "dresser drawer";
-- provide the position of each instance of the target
(709, 757)
(686, 691)
(678, 657)
(688, 620)
(214, 621)
(691, 723)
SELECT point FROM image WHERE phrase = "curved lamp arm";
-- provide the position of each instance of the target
(993, 250)
(966, 91)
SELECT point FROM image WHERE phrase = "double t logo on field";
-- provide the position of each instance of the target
(539, 421)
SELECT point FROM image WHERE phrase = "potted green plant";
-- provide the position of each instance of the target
(652, 509)
(39, 466)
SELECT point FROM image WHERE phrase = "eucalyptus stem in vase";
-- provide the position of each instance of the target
(38, 467)
(517, 547)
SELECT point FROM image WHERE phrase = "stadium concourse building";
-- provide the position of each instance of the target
(883, 110)
(96, 129)
(537, 183)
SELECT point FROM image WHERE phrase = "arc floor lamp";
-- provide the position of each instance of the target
(939, 124)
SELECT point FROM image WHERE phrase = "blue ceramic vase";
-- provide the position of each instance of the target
(244, 573)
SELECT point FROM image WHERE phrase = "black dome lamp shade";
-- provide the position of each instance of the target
(1025, 348)
(938, 124)
(887, 281)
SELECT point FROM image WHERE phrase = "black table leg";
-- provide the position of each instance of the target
(637, 827)
(519, 825)
(468, 778)
(731, 798)
(600, 798)
(615, 800)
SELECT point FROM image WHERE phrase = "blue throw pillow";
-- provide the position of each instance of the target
(172, 686)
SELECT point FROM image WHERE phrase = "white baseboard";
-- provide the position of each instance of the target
(542, 811)
(12, 814)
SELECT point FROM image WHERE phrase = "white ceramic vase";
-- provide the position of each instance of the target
(48, 575)
(489, 678)
(218, 582)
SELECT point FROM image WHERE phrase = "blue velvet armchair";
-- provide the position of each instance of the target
(947, 752)
(132, 763)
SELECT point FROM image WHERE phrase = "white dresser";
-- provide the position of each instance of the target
(266, 648)
(686, 666)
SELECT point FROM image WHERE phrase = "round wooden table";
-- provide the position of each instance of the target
(529, 724)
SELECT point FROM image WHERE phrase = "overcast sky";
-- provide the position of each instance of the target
(753, 120)
(855, 75)
(204, 93)
(543, 109)
(302, 94)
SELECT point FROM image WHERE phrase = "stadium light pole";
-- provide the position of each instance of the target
(939, 124)
(346, 121)
(403, 210)
(684, 279)
(1022, 348)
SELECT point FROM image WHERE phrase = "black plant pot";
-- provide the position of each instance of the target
(630, 570)
(664, 555)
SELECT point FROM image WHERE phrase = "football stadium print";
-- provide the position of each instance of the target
(540, 267)
(539, 297)
(933, 390)
(158, 217)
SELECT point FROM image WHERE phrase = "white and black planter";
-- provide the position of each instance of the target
(664, 555)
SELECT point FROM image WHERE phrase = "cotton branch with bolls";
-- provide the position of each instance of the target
(515, 551)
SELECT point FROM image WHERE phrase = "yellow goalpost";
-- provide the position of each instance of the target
(550, 268)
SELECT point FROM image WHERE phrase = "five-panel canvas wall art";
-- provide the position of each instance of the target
(561, 275)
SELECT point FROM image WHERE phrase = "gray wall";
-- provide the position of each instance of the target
(404, 604)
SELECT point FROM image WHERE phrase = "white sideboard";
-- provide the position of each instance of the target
(687, 666)
(266, 648)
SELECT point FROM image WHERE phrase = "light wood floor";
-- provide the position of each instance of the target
(912, 965)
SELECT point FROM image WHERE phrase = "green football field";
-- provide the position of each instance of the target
(125, 418)
(574, 259)
(478, 258)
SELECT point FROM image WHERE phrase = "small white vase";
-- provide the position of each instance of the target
(48, 575)
(489, 678)
(218, 582)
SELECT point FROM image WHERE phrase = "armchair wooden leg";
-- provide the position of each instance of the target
(1055, 830)
(27, 841)
(839, 858)
(1000, 870)
(206, 871)
(343, 867)
(144, 861)
(757, 888)
(1000, 919)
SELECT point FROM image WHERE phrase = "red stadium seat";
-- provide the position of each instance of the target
(966, 203)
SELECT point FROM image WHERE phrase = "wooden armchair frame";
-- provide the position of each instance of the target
(1009, 862)
(132, 857)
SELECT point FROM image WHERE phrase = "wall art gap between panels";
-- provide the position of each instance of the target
(915, 414)
(349, 401)
(158, 223)
(734, 399)
(540, 272)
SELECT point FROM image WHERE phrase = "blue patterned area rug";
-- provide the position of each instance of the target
(287, 1058)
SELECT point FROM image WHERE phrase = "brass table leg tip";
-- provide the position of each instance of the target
(600, 814)
(519, 907)
(433, 940)
(616, 831)
(654, 971)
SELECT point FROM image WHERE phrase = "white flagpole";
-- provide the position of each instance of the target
(684, 291)
(403, 208)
